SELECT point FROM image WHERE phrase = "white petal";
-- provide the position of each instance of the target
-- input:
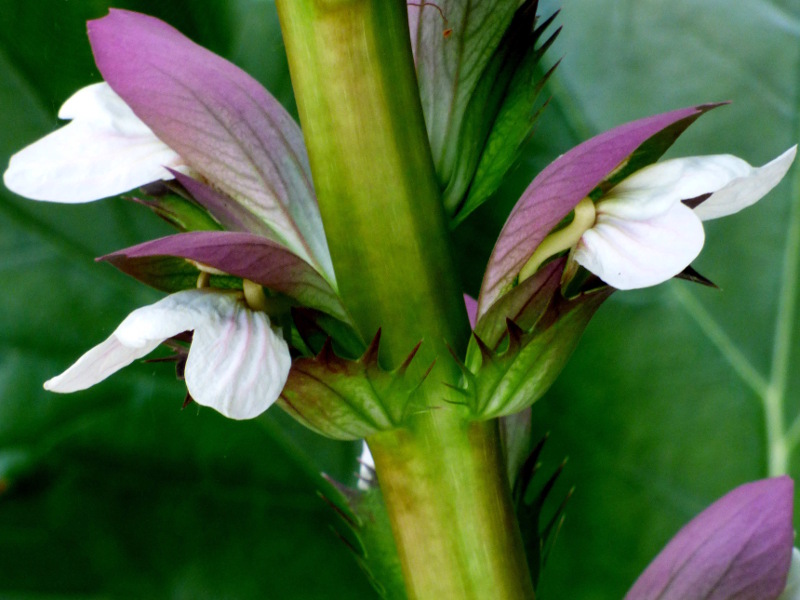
(174, 314)
(366, 469)
(745, 190)
(635, 254)
(98, 363)
(138, 335)
(101, 107)
(106, 150)
(652, 191)
(792, 591)
(237, 364)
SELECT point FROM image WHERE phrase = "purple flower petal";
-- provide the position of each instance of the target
(230, 214)
(220, 120)
(739, 547)
(566, 181)
(472, 309)
(240, 254)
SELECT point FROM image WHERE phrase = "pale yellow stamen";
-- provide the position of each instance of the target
(561, 240)
(205, 268)
(254, 295)
(203, 279)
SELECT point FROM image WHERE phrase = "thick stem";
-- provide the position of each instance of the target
(356, 91)
(442, 476)
(448, 499)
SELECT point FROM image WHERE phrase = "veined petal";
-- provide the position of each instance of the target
(223, 123)
(237, 364)
(745, 190)
(139, 334)
(559, 188)
(629, 254)
(106, 150)
(739, 547)
(179, 312)
(240, 254)
(97, 364)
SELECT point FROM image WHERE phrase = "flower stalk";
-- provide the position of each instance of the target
(442, 476)
(447, 495)
(354, 81)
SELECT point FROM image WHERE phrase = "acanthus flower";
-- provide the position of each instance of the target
(169, 108)
(607, 206)
(635, 223)
(237, 363)
(648, 227)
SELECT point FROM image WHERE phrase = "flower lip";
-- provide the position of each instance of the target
(105, 150)
(748, 189)
(236, 365)
(646, 234)
(628, 254)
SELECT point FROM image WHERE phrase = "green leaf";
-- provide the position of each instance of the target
(539, 525)
(180, 212)
(513, 378)
(366, 529)
(349, 399)
(514, 123)
(454, 43)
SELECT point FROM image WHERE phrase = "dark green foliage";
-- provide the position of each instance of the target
(539, 524)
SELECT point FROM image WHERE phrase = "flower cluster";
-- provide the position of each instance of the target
(221, 142)
(240, 157)
(604, 216)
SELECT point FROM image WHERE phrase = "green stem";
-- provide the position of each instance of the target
(356, 90)
(447, 494)
(442, 476)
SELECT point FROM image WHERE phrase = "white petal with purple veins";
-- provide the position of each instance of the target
(644, 234)
(237, 364)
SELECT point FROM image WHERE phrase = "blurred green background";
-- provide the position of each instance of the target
(115, 492)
